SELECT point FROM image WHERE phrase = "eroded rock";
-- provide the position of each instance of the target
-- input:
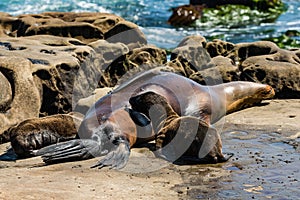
(26, 101)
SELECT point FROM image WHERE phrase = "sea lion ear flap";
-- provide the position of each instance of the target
(138, 118)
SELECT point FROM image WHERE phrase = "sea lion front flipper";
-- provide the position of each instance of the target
(138, 118)
(77, 149)
(117, 158)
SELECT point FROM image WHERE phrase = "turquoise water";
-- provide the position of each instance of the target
(152, 15)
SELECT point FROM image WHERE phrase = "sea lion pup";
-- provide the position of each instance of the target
(187, 98)
(190, 131)
(35, 133)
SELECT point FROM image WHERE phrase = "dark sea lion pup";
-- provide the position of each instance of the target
(35, 133)
(185, 137)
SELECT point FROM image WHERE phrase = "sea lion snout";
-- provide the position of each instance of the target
(269, 92)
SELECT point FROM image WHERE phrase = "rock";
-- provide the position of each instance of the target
(219, 48)
(86, 27)
(192, 56)
(223, 70)
(6, 93)
(265, 62)
(194, 40)
(145, 57)
(245, 50)
(85, 103)
(54, 64)
(260, 61)
(280, 70)
(110, 57)
(261, 5)
(127, 33)
(26, 101)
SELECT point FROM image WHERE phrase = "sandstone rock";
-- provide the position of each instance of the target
(192, 56)
(26, 99)
(55, 62)
(85, 103)
(86, 27)
(245, 50)
(127, 33)
(6, 93)
(223, 71)
(148, 55)
(110, 58)
(274, 69)
(219, 48)
(260, 61)
(194, 40)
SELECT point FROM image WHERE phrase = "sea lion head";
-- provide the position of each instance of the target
(149, 101)
(247, 94)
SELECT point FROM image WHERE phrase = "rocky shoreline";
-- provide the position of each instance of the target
(66, 56)
(55, 62)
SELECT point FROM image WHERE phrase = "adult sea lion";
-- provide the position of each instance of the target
(35, 133)
(186, 97)
(113, 138)
(190, 131)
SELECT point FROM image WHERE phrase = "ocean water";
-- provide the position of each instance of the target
(152, 16)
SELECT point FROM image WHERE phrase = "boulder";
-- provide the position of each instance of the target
(223, 70)
(190, 56)
(6, 93)
(125, 65)
(219, 48)
(54, 64)
(280, 70)
(86, 27)
(260, 61)
(26, 99)
(84, 104)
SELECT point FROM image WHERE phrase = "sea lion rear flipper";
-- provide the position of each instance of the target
(77, 149)
(117, 158)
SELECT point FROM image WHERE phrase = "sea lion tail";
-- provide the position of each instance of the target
(78, 149)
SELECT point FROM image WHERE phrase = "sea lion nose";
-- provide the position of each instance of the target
(270, 90)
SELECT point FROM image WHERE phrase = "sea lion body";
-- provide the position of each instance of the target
(186, 97)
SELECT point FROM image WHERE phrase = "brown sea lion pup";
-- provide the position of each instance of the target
(179, 136)
(35, 133)
(186, 97)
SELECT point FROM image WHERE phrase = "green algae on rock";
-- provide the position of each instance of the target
(238, 15)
